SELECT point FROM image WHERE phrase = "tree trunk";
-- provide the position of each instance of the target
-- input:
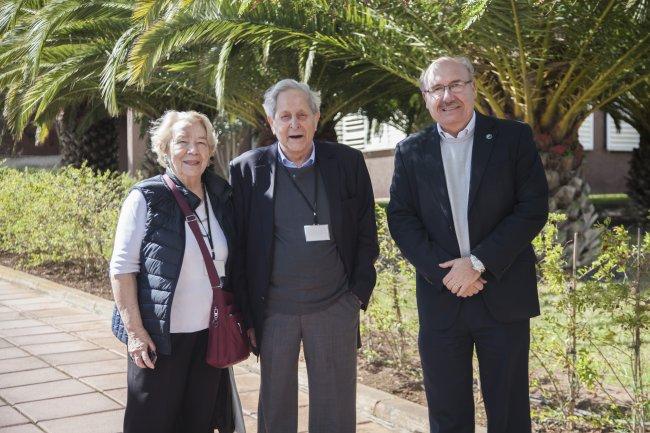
(569, 194)
(84, 139)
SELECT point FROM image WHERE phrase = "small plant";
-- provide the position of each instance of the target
(68, 215)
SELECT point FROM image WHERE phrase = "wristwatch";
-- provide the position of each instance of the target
(477, 265)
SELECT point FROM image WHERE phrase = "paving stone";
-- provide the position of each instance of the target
(21, 323)
(37, 307)
(94, 334)
(107, 381)
(10, 416)
(83, 326)
(33, 330)
(64, 310)
(57, 337)
(12, 352)
(65, 346)
(104, 422)
(16, 295)
(42, 391)
(111, 343)
(10, 315)
(5, 309)
(250, 423)
(27, 377)
(249, 401)
(95, 368)
(26, 299)
(63, 407)
(371, 427)
(80, 356)
(247, 382)
(119, 395)
(21, 364)
(23, 428)
(5, 344)
(81, 316)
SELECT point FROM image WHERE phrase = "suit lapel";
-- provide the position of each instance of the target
(264, 193)
(484, 138)
(434, 172)
(328, 168)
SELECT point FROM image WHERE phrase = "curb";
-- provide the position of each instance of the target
(393, 412)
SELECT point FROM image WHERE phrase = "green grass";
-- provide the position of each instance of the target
(609, 200)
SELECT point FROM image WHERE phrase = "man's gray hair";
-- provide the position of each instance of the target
(271, 95)
(427, 74)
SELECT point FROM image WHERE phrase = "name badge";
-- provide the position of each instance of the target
(317, 232)
(219, 265)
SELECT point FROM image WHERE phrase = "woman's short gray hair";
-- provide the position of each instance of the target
(427, 74)
(271, 95)
(161, 132)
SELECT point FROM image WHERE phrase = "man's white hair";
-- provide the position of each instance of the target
(428, 73)
(271, 95)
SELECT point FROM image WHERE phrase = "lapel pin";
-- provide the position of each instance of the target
(489, 136)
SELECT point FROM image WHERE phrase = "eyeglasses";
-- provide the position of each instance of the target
(455, 87)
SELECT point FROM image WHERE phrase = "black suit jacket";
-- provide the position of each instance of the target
(508, 206)
(353, 226)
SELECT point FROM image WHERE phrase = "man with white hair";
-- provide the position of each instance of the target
(307, 242)
(468, 196)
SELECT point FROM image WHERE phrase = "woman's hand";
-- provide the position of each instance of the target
(142, 349)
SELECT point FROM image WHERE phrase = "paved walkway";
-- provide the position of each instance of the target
(61, 370)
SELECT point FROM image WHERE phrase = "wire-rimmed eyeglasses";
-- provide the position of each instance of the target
(454, 87)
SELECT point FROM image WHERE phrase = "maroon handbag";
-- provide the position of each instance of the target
(227, 338)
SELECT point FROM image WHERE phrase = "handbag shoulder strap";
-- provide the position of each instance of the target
(190, 217)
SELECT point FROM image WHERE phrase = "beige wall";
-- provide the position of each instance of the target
(380, 166)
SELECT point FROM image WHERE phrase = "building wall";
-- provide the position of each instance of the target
(605, 169)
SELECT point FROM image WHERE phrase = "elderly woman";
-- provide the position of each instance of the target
(161, 287)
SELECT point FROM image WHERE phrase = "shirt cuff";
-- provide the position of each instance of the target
(477, 265)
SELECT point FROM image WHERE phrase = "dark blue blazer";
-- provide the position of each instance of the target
(508, 206)
(353, 226)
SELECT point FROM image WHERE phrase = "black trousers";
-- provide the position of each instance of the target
(179, 395)
(502, 351)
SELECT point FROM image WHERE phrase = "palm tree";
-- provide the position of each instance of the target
(187, 37)
(634, 108)
(53, 63)
(550, 64)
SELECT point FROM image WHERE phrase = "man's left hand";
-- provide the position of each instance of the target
(461, 276)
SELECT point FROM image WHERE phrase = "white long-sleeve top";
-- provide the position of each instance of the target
(192, 301)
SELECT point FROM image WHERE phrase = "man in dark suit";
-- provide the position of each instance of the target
(307, 241)
(468, 196)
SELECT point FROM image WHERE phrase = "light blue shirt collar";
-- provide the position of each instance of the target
(289, 164)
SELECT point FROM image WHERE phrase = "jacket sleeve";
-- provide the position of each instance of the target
(364, 274)
(240, 282)
(508, 239)
(407, 228)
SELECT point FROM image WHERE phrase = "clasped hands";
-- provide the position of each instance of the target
(462, 279)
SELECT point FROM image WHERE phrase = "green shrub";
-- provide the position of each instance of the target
(67, 215)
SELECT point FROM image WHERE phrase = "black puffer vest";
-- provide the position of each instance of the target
(162, 249)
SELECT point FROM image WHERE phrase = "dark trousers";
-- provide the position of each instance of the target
(502, 351)
(179, 395)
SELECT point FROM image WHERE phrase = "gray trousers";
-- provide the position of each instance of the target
(329, 339)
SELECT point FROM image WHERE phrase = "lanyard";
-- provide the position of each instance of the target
(312, 206)
(207, 213)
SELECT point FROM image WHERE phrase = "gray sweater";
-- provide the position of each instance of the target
(306, 276)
